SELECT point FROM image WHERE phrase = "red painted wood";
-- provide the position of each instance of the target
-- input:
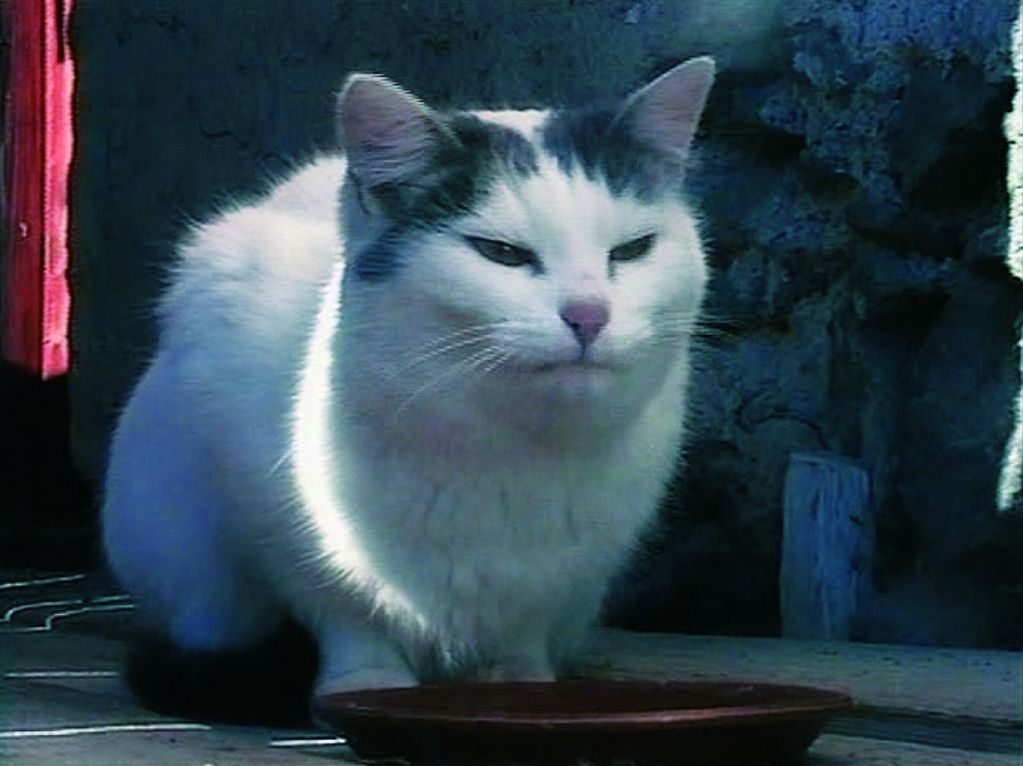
(39, 144)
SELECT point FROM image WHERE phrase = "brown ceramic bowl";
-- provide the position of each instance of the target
(642, 722)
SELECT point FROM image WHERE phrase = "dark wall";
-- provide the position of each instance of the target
(46, 510)
(852, 178)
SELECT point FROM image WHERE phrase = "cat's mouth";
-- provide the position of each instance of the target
(580, 365)
(583, 377)
(572, 373)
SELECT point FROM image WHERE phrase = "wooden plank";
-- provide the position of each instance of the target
(222, 746)
(95, 722)
(827, 545)
(53, 709)
(30, 705)
(953, 682)
(59, 651)
(51, 719)
(241, 748)
(835, 750)
(960, 732)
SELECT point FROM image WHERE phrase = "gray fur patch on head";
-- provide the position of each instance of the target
(641, 145)
(466, 159)
(591, 141)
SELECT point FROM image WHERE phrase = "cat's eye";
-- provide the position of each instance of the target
(634, 249)
(504, 253)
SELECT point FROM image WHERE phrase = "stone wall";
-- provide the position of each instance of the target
(852, 180)
(855, 191)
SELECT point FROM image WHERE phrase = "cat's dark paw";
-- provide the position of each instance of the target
(267, 684)
(365, 678)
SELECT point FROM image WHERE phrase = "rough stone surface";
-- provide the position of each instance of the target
(852, 179)
(855, 195)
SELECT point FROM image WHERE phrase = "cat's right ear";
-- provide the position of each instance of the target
(387, 133)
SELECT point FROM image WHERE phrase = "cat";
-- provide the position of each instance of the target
(424, 396)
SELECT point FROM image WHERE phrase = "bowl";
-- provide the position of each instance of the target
(598, 721)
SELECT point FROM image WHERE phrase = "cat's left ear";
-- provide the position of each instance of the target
(665, 113)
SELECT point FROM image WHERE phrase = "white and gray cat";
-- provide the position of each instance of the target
(424, 396)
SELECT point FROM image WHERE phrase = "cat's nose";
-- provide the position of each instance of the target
(586, 318)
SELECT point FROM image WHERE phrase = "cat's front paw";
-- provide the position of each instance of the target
(364, 678)
(520, 669)
(360, 679)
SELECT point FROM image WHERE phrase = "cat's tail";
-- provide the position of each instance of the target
(268, 684)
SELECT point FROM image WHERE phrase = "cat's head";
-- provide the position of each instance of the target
(544, 252)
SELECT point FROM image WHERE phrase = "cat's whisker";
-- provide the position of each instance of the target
(280, 462)
(691, 327)
(455, 341)
(487, 367)
(484, 361)
(496, 364)
(475, 329)
(678, 335)
(682, 318)
(432, 354)
(463, 365)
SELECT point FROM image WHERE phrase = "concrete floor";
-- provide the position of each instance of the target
(62, 701)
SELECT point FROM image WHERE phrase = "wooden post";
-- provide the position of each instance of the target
(827, 546)
(37, 146)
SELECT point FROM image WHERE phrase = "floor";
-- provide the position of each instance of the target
(62, 640)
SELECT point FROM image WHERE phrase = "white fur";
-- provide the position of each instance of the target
(411, 467)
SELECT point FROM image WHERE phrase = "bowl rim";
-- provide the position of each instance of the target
(797, 702)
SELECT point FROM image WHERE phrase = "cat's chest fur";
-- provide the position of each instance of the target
(544, 510)
(488, 553)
